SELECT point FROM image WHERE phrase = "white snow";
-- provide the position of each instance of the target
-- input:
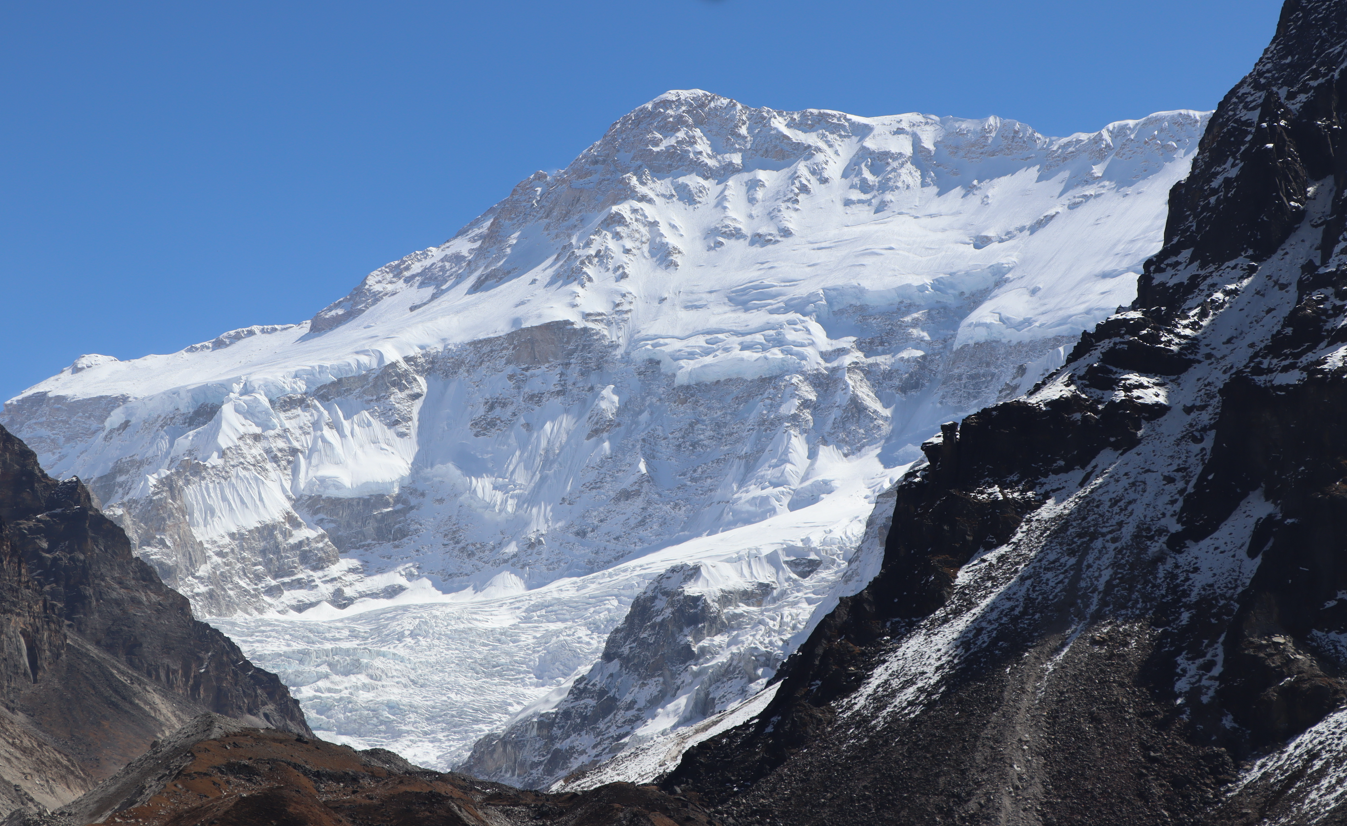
(647, 762)
(1309, 770)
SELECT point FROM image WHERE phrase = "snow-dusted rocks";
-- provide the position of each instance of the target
(698, 640)
(647, 673)
(715, 317)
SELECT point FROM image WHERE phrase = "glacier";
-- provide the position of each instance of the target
(712, 340)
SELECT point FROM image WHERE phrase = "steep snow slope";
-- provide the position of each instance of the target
(714, 318)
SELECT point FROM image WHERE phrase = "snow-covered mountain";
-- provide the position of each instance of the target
(712, 339)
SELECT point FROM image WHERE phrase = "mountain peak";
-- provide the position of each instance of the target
(687, 97)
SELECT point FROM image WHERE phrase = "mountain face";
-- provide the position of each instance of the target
(659, 341)
(649, 668)
(712, 339)
(1120, 598)
(97, 656)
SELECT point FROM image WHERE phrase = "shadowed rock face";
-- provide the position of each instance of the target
(1108, 600)
(97, 656)
(214, 771)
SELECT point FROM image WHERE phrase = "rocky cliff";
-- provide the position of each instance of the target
(1123, 597)
(97, 656)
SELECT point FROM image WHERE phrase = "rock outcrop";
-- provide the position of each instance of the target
(1122, 598)
(98, 657)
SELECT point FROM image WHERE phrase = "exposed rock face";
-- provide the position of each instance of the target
(649, 665)
(97, 656)
(1119, 598)
(214, 771)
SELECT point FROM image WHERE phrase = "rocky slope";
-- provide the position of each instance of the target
(214, 772)
(97, 656)
(714, 337)
(1120, 598)
(648, 669)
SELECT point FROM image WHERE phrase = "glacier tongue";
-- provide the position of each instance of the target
(427, 674)
(716, 320)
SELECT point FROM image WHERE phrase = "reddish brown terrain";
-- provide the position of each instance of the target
(217, 773)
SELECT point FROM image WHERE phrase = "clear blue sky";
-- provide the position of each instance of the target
(171, 170)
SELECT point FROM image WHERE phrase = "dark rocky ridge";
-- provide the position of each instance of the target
(98, 657)
(104, 676)
(214, 772)
(1100, 602)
